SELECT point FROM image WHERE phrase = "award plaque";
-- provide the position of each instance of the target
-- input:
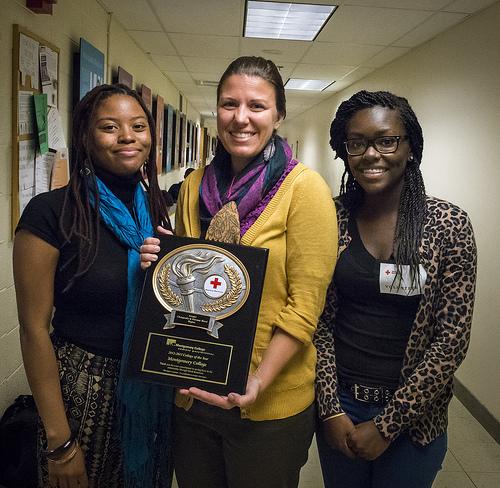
(197, 315)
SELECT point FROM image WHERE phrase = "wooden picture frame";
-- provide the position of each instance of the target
(124, 77)
(147, 96)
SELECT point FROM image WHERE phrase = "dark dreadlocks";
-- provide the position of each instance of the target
(78, 218)
(412, 205)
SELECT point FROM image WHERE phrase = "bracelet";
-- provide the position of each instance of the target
(67, 458)
(60, 451)
(334, 416)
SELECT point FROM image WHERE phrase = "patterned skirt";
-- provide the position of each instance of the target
(88, 384)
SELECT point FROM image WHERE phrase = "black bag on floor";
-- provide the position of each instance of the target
(18, 438)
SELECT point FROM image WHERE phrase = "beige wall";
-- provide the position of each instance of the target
(72, 19)
(453, 84)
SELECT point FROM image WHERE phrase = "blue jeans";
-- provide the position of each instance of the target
(403, 465)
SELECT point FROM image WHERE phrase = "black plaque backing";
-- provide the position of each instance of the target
(211, 350)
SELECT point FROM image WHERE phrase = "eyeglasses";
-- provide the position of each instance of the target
(384, 144)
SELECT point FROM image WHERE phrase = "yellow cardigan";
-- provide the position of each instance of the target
(299, 228)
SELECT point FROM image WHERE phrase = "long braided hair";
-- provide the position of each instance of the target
(78, 218)
(412, 205)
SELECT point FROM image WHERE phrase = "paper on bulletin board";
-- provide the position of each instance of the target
(28, 60)
(27, 152)
(44, 164)
(60, 170)
(48, 74)
(26, 113)
(40, 100)
(55, 131)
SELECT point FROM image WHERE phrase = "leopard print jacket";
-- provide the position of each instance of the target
(439, 336)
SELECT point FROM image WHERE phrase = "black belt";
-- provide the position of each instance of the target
(369, 394)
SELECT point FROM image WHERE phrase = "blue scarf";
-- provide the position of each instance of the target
(144, 410)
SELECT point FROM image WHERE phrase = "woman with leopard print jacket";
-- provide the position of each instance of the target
(398, 313)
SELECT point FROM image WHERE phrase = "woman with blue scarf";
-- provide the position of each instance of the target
(256, 194)
(77, 268)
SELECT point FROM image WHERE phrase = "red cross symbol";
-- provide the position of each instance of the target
(215, 283)
(387, 272)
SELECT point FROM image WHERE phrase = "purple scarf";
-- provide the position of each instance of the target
(253, 189)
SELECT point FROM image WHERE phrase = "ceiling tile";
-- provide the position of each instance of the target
(189, 87)
(385, 56)
(367, 25)
(404, 4)
(209, 92)
(133, 14)
(210, 77)
(352, 77)
(276, 50)
(468, 6)
(285, 69)
(339, 53)
(153, 42)
(168, 63)
(439, 22)
(320, 71)
(180, 77)
(210, 46)
(189, 16)
(207, 65)
(197, 39)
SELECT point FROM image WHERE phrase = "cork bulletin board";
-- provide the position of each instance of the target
(34, 61)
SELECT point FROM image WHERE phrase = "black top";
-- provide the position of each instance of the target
(91, 313)
(371, 328)
(173, 191)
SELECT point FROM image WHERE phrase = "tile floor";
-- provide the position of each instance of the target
(472, 460)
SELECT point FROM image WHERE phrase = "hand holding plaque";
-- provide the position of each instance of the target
(197, 317)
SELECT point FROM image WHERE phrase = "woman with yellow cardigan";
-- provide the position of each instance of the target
(255, 194)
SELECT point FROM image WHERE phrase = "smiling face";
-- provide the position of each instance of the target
(120, 136)
(246, 117)
(375, 172)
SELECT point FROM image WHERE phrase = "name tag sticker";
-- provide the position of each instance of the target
(403, 284)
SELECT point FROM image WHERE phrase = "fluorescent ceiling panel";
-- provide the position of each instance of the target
(309, 85)
(297, 21)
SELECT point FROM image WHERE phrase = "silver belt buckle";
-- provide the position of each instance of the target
(361, 397)
(368, 394)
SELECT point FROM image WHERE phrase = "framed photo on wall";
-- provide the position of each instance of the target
(167, 137)
(90, 68)
(147, 96)
(124, 77)
(159, 115)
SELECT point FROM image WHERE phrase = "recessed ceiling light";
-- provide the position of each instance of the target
(276, 20)
(309, 85)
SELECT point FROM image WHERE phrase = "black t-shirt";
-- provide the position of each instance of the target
(371, 328)
(91, 313)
